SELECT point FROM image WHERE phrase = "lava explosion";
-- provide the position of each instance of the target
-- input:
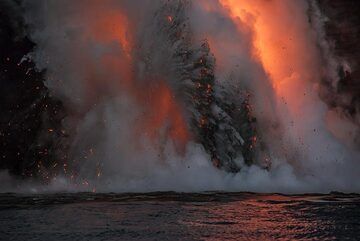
(212, 94)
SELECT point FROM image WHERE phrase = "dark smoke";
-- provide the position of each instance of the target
(30, 122)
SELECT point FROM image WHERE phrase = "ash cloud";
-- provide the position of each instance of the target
(93, 53)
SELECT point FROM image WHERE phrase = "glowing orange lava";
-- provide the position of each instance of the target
(283, 44)
(163, 117)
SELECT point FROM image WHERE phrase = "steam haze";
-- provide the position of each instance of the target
(128, 121)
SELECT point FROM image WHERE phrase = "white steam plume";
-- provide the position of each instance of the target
(88, 70)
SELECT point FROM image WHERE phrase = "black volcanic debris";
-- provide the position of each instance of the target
(225, 129)
(30, 120)
(221, 118)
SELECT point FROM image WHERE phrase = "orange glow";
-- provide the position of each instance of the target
(107, 25)
(170, 18)
(282, 44)
(115, 27)
(106, 68)
(163, 116)
(278, 42)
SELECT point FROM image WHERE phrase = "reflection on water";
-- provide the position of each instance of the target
(176, 216)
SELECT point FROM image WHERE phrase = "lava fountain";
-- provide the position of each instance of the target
(154, 87)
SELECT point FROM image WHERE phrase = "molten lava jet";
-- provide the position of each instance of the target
(144, 84)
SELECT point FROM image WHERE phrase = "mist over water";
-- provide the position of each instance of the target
(112, 67)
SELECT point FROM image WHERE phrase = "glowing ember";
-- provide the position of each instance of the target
(170, 18)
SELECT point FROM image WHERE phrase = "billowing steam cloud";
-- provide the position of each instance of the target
(116, 67)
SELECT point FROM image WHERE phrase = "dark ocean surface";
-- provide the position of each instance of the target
(179, 216)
